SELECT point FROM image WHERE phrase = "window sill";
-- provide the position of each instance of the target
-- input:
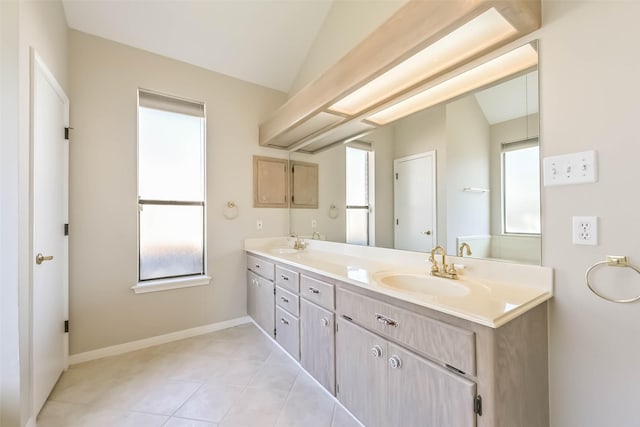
(168, 284)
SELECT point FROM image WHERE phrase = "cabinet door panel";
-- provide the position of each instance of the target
(361, 374)
(261, 301)
(317, 343)
(422, 394)
(288, 333)
(252, 295)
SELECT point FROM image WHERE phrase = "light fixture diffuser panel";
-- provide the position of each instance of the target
(482, 32)
(505, 65)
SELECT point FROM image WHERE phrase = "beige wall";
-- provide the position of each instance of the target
(589, 100)
(40, 25)
(104, 78)
(468, 148)
(10, 372)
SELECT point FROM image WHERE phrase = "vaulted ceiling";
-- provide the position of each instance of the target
(260, 41)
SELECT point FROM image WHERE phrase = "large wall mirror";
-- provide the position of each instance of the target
(463, 171)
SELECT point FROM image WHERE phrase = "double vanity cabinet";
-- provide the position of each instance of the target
(392, 362)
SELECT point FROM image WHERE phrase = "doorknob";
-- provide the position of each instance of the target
(428, 232)
(41, 258)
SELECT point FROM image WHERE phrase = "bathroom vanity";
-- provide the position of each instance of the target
(400, 348)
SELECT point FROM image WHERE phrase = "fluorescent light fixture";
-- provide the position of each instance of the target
(505, 65)
(473, 37)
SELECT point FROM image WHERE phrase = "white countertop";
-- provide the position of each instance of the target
(495, 292)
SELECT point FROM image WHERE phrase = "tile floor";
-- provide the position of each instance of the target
(232, 378)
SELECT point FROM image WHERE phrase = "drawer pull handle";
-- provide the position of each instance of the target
(283, 299)
(284, 321)
(386, 321)
(284, 277)
(395, 362)
(376, 351)
(325, 321)
(314, 291)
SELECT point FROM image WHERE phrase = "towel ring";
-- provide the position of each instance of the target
(611, 261)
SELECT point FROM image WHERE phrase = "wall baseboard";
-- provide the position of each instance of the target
(150, 342)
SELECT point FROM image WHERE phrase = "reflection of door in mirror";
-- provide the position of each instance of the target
(415, 202)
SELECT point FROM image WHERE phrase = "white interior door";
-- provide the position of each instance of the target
(50, 116)
(415, 202)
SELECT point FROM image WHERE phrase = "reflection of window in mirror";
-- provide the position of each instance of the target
(520, 187)
(359, 163)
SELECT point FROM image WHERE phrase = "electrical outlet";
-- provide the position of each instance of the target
(259, 224)
(585, 230)
(314, 223)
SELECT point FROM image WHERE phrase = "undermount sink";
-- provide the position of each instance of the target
(282, 251)
(420, 283)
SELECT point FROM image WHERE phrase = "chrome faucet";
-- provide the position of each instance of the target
(462, 247)
(448, 272)
(299, 244)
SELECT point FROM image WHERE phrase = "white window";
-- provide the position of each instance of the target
(521, 187)
(171, 187)
(359, 196)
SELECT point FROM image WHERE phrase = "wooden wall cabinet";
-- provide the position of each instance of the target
(270, 182)
(274, 179)
(304, 185)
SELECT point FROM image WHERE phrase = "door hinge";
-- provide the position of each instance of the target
(66, 133)
(337, 388)
(275, 332)
(66, 326)
(397, 221)
(477, 405)
(292, 199)
(66, 229)
(396, 176)
(274, 291)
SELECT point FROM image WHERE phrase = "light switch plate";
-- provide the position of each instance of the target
(574, 168)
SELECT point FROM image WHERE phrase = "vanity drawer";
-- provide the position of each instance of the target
(288, 332)
(287, 300)
(448, 344)
(314, 290)
(287, 279)
(260, 266)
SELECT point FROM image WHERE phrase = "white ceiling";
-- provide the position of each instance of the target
(260, 41)
(509, 100)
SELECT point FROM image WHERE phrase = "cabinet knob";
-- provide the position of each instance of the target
(376, 351)
(325, 321)
(427, 233)
(395, 362)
